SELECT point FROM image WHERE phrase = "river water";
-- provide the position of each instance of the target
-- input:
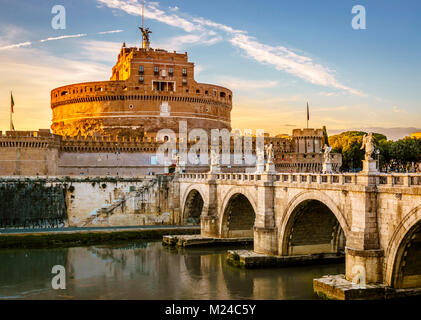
(147, 270)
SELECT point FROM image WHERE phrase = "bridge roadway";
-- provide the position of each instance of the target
(374, 218)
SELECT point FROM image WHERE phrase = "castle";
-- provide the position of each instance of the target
(110, 127)
(149, 89)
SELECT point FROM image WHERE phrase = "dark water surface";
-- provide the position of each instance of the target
(147, 270)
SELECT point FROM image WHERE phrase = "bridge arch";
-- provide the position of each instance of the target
(193, 203)
(402, 266)
(306, 210)
(238, 214)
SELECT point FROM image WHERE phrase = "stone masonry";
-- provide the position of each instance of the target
(374, 215)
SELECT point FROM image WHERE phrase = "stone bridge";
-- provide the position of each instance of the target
(375, 219)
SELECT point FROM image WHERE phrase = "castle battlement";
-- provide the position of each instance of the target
(307, 133)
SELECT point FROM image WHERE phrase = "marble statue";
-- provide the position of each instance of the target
(326, 154)
(269, 153)
(368, 145)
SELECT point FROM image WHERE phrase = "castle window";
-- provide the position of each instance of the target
(222, 94)
(198, 91)
(184, 72)
(141, 79)
(140, 69)
(206, 92)
(170, 71)
(131, 106)
(184, 81)
(156, 70)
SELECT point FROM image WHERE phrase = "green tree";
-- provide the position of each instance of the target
(349, 145)
(405, 151)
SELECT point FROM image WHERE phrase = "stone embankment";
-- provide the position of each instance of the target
(69, 237)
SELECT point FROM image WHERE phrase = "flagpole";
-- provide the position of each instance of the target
(11, 120)
(12, 104)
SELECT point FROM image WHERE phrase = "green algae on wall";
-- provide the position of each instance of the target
(32, 204)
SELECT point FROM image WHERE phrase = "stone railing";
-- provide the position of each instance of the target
(400, 179)
(404, 180)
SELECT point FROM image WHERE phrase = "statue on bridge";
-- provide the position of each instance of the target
(270, 166)
(327, 163)
(214, 159)
(179, 164)
(368, 145)
(269, 153)
(326, 154)
(370, 165)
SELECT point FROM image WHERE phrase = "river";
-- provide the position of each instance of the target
(147, 270)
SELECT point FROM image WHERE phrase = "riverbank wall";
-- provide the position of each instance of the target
(62, 201)
(85, 237)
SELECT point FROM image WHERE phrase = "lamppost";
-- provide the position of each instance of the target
(377, 152)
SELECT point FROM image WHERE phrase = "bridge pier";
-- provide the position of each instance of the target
(174, 202)
(265, 233)
(364, 266)
(364, 257)
(209, 221)
(266, 240)
(209, 226)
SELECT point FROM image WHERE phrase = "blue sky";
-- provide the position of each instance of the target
(274, 55)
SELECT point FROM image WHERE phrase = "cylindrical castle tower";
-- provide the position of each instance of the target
(149, 90)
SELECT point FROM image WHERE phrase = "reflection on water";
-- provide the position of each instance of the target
(146, 270)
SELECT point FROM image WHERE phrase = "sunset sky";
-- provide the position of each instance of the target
(275, 55)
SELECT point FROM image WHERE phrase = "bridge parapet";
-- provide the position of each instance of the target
(391, 179)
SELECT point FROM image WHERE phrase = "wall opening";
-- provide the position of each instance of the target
(239, 217)
(313, 228)
(163, 85)
(193, 208)
(407, 271)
